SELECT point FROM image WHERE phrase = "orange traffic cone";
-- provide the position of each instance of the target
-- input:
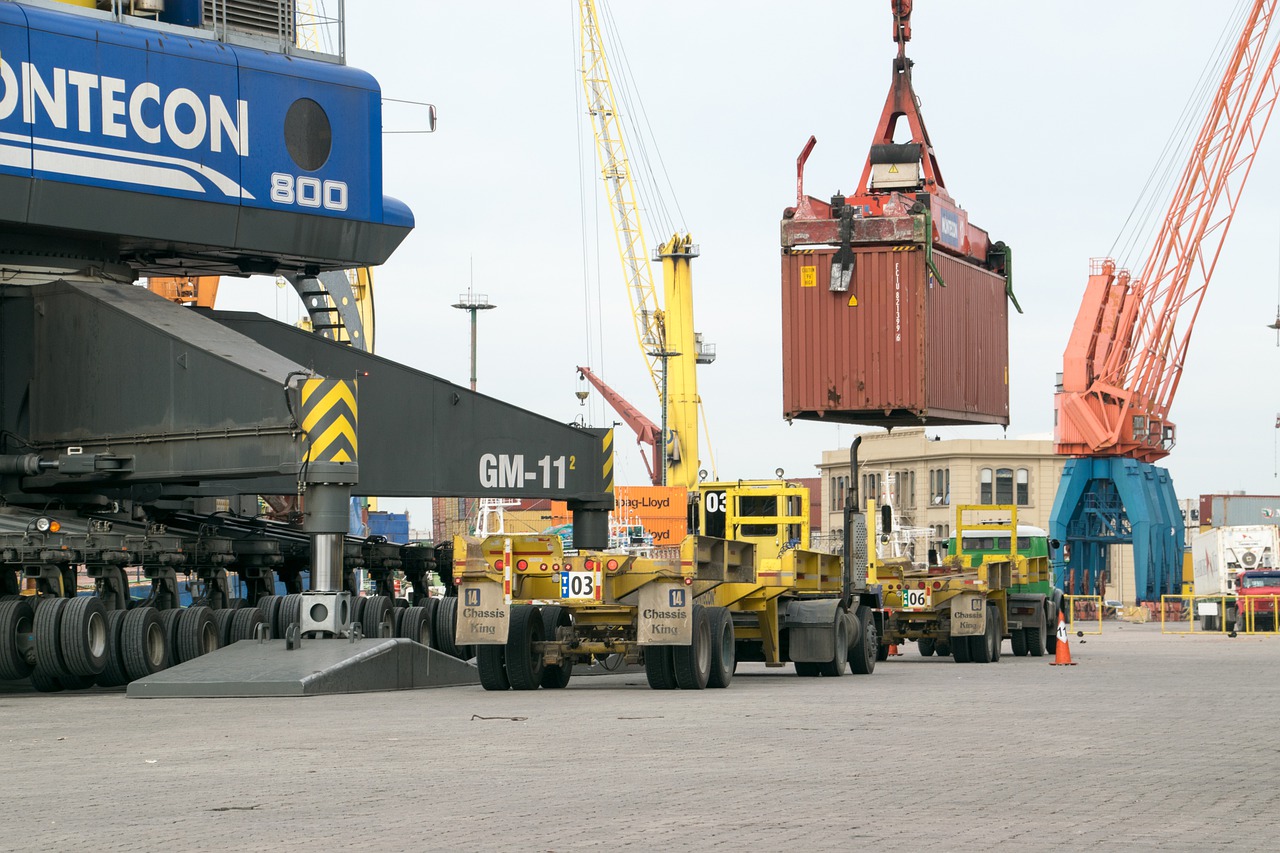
(1062, 654)
(893, 650)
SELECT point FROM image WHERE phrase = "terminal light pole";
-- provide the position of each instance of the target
(473, 302)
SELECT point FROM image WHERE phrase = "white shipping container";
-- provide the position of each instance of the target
(1220, 554)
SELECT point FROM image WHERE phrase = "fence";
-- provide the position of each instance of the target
(1085, 609)
(1220, 614)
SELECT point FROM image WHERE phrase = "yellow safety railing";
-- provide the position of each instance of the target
(1197, 611)
(1085, 609)
(1257, 614)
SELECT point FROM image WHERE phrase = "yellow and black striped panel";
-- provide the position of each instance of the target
(329, 419)
(607, 468)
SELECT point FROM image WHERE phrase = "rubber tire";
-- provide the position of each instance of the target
(807, 669)
(147, 641)
(491, 661)
(358, 604)
(114, 673)
(442, 627)
(16, 617)
(980, 646)
(692, 663)
(269, 607)
(1035, 640)
(524, 662)
(375, 610)
(44, 682)
(865, 650)
(244, 624)
(724, 648)
(1018, 641)
(397, 616)
(659, 671)
(83, 636)
(882, 651)
(960, 649)
(236, 604)
(926, 646)
(197, 633)
(835, 667)
(1210, 623)
(222, 621)
(942, 648)
(416, 625)
(47, 625)
(432, 606)
(446, 624)
(169, 620)
(997, 637)
(555, 676)
(290, 612)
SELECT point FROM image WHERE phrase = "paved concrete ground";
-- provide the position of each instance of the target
(1141, 746)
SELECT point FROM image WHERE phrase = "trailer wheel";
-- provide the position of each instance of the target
(432, 606)
(926, 646)
(114, 673)
(376, 609)
(446, 626)
(269, 607)
(724, 648)
(835, 667)
(982, 648)
(244, 624)
(493, 667)
(524, 660)
(44, 682)
(222, 624)
(1035, 640)
(197, 633)
(1018, 640)
(83, 635)
(145, 641)
(16, 618)
(658, 668)
(807, 669)
(864, 652)
(942, 648)
(169, 620)
(960, 649)
(882, 651)
(416, 625)
(693, 662)
(48, 623)
(291, 612)
(556, 675)
(997, 633)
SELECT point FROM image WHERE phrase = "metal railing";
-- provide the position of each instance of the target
(1220, 614)
(1085, 609)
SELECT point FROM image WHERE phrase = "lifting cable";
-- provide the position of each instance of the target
(1176, 151)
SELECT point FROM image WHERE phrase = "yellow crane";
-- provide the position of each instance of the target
(671, 347)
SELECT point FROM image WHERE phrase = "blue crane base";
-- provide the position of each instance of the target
(1110, 500)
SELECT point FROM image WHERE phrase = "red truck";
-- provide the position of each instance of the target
(1257, 592)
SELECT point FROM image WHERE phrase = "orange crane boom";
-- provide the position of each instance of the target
(1126, 354)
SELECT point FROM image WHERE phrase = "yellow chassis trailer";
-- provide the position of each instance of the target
(686, 615)
(955, 609)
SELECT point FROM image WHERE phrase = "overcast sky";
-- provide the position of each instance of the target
(1047, 118)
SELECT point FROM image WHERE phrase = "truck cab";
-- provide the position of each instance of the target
(1257, 593)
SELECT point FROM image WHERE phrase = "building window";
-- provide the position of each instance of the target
(985, 495)
(838, 501)
(939, 486)
(1004, 486)
(1024, 487)
(911, 489)
(834, 502)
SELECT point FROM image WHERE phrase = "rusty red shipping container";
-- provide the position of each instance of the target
(896, 348)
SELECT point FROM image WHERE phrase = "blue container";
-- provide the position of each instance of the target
(394, 526)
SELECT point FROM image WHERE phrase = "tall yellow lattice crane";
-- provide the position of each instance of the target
(671, 347)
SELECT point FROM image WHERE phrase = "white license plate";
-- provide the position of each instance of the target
(579, 584)
(917, 599)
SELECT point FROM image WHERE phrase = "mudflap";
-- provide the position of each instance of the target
(811, 629)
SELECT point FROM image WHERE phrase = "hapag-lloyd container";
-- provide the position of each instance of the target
(897, 347)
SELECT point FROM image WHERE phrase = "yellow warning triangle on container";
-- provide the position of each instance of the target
(853, 301)
(893, 170)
